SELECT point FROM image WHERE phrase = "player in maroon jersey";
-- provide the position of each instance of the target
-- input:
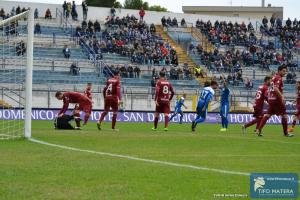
(276, 102)
(88, 91)
(112, 99)
(297, 114)
(85, 105)
(163, 95)
(258, 106)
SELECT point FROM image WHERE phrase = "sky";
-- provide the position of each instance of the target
(291, 7)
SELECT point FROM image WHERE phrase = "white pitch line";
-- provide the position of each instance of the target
(142, 159)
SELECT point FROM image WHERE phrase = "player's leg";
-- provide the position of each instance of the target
(291, 129)
(201, 116)
(224, 117)
(156, 117)
(166, 111)
(87, 108)
(251, 123)
(295, 118)
(272, 110)
(76, 114)
(263, 123)
(166, 121)
(221, 115)
(104, 113)
(256, 120)
(181, 117)
(284, 122)
(115, 114)
(88, 111)
(173, 115)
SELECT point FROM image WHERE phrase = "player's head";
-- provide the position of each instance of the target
(214, 84)
(59, 95)
(268, 80)
(298, 85)
(182, 98)
(116, 73)
(89, 85)
(282, 70)
(162, 74)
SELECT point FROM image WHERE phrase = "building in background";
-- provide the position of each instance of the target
(235, 11)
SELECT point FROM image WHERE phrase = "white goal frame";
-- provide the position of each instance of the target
(29, 66)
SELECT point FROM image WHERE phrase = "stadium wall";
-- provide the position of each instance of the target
(101, 13)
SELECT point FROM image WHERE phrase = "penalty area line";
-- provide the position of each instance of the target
(166, 163)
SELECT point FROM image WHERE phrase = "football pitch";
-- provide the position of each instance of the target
(137, 163)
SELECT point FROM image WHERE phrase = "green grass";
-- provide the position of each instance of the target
(33, 171)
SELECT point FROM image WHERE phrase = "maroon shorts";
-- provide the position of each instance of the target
(163, 108)
(111, 103)
(86, 107)
(258, 112)
(276, 108)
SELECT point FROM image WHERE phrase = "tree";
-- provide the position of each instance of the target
(128, 4)
(117, 4)
(158, 8)
(101, 3)
(136, 4)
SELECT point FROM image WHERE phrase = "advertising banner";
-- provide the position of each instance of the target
(132, 116)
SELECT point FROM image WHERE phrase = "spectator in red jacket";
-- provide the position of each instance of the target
(142, 13)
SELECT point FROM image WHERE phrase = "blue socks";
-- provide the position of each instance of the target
(224, 122)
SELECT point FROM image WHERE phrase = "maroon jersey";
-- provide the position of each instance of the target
(276, 82)
(298, 98)
(261, 96)
(112, 89)
(88, 93)
(164, 91)
(73, 97)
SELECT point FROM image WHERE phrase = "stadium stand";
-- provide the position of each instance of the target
(187, 52)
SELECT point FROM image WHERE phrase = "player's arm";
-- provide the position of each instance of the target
(64, 108)
(185, 106)
(172, 92)
(157, 88)
(265, 95)
(224, 81)
(118, 88)
(104, 90)
(89, 93)
(277, 91)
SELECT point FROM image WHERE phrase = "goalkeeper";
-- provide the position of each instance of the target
(85, 105)
(63, 122)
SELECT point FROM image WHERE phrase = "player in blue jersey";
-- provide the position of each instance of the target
(178, 109)
(205, 97)
(224, 105)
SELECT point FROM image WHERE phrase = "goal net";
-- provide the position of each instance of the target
(16, 52)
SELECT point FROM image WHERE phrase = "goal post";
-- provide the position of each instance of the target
(29, 72)
(16, 72)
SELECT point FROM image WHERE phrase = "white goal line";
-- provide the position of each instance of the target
(142, 159)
